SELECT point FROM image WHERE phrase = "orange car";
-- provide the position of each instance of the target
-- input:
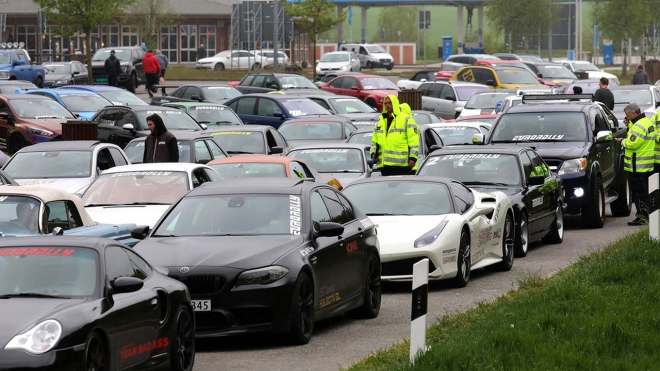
(248, 166)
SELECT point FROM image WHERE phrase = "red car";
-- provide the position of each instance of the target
(371, 89)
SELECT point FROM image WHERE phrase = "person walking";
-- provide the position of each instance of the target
(639, 159)
(162, 59)
(395, 140)
(112, 68)
(161, 145)
(151, 72)
(201, 52)
(144, 46)
(603, 94)
(639, 77)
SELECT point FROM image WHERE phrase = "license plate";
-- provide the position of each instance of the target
(101, 79)
(201, 305)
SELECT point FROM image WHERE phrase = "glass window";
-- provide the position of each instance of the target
(57, 214)
(168, 43)
(297, 170)
(117, 157)
(348, 208)
(202, 154)
(245, 106)
(141, 268)
(189, 43)
(528, 167)
(129, 36)
(335, 208)
(463, 197)
(319, 210)
(215, 149)
(117, 264)
(192, 90)
(28, 35)
(401, 197)
(207, 37)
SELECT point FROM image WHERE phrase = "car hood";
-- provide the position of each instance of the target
(138, 214)
(299, 143)
(560, 150)
(362, 118)
(390, 227)
(71, 185)
(242, 252)
(382, 56)
(54, 125)
(32, 311)
(346, 178)
(57, 76)
(333, 64)
(308, 91)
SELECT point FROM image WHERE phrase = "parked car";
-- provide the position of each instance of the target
(198, 93)
(10, 86)
(64, 73)
(469, 59)
(589, 86)
(497, 77)
(84, 104)
(117, 96)
(132, 72)
(266, 82)
(453, 133)
(251, 140)
(274, 109)
(310, 130)
(210, 114)
(484, 102)
(592, 71)
(331, 75)
(422, 117)
(193, 148)
(337, 61)
(229, 60)
(447, 98)
(358, 112)
(646, 96)
(370, 55)
(15, 64)
(266, 58)
(447, 70)
(416, 80)
(555, 72)
(346, 162)
(371, 89)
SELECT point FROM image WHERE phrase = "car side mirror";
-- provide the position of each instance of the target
(422, 80)
(330, 229)
(75, 73)
(275, 150)
(19, 63)
(603, 136)
(196, 97)
(491, 83)
(278, 114)
(478, 139)
(536, 180)
(123, 285)
(540, 75)
(129, 127)
(140, 232)
(354, 88)
(203, 126)
(451, 98)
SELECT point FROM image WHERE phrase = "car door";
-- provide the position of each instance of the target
(123, 136)
(106, 119)
(138, 55)
(549, 191)
(533, 199)
(6, 125)
(604, 151)
(266, 113)
(244, 107)
(431, 98)
(446, 104)
(192, 91)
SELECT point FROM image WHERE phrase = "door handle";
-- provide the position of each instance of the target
(154, 303)
(313, 259)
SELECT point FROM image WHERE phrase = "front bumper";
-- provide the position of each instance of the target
(577, 190)
(54, 360)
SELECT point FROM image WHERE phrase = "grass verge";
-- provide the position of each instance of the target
(597, 314)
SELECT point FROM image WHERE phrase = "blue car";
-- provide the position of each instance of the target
(274, 109)
(117, 96)
(82, 103)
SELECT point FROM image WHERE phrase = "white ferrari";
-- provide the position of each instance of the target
(456, 228)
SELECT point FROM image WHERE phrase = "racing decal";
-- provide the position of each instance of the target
(538, 137)
(449, 252)
(327, 296)
(496, 215)
(217, 87)
(448, 259)
(37, 182)
(469, 156)
(485, 236)
(294, 215)
(297, 113)
(3, 198)
(232, 133)
(209, 108)
(142, 173)
(351, 247)
(366, 223)
(325, 150)
(24, 251)
(452, 128)
(132, 350)
(478, 255)
(306, 251)
(537, 201)
(314, 123)
(51, 117)
(177, 112)
(345, 100)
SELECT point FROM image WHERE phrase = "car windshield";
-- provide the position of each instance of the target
(136, 187)
(241, 142)
(84, 102)
(541, 127)
(585, 66)
(641, 97)
(377, 83)
(57, 68)
(220, 92)
(250, 170)
(103, 54)
(173, 119)
(5, 58)
(14, 84)
(556, 72)
(135, 151)
(19, 215)
(334, 57)
(296, 82)
(465, 91)
(303, 107)
(48, 271)
(50, 165)
(29, 108)
(361, 138)
(424, 118)
(375, 49)
(332, 160)
(486, 101)
(474, 168)
(350, 105)
(122, 98)
(396, 197)
(517, 76)
(587, 87)
(456, 134)
(311, 130)
(214, 115)
(236, 214)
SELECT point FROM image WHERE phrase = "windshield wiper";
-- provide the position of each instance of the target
(386, 214)
(148, 203)
(31, 295)
(240, 152)
(95, 205)
(485, 183)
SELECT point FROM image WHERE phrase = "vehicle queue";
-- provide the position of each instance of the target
(273, 255)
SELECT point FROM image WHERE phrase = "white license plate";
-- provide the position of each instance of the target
(201, 305)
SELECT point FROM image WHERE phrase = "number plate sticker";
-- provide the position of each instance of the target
(201, 305)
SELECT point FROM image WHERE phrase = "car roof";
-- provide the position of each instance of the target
(64, 145)
(324, 118)
(273, 96)
(25, 96)
(338, 145)
(140, 108)
(61, 91)
(470, 148)
(48, 195)
(158, 166)
(276, 74)
(253, 159)
(193, 104)
(279, 185)
(240, 128)
(90, 87)
(181, 135)
(96, 243)
(633, 87)
(555, 106)
(406, 178)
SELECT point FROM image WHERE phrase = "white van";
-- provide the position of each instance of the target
(370, 55)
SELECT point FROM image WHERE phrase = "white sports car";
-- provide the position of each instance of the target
(456, 228)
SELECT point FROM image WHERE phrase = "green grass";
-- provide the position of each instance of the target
(598, 314)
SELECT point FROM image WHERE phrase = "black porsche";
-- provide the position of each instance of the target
(87, 303)
(272, 256)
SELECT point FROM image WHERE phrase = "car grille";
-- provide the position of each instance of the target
(402, 267)
(202, 284)
(98, 72)
(386, 61)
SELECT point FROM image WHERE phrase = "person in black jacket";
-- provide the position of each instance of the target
(603, 94)
(161, 145)
(639, 77)
(112, 68)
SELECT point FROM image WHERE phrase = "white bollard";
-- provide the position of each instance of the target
(654, 220)
(420, 299)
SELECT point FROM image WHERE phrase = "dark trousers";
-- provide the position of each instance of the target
(395, 170)
(162, 75)
(112, 80)
(639, 186)
(152, 79)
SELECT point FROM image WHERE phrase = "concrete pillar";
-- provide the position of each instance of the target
(363, 34)
(460, 40)
(480, 17)
(340, 27)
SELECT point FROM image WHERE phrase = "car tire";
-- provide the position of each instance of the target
(371, 103)
(622, 206)
(389, 68)
(40, 82)
(372, 291)
(302, 311)
(522, 236)
(556, 234)
(463, 261)
(16, 142)
(219, 67)
(593, 215)
(96, 355)
(182, 350)
(507, 245)
(369, 65)
(132, 83)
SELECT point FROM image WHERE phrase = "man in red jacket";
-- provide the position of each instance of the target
(151, 71)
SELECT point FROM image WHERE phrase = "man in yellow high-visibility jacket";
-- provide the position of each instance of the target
(639, 159)
(395, 141)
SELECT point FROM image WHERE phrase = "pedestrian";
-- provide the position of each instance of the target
(395, 140)
(161, 145)
(201, 52)
(639, 77)
(603, 94)
(151, 71)
(112, 68)
(577, 90)
(144, 46)
(639, 159)
(162, 59)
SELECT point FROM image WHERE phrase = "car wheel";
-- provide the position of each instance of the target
(507, 245)
(556, 234)
(96, 356)
(219, 67)
(593, 215)
(389, 68)
(182, 352)
(16, 142)
(622, 206)
(40, 82)
(372, 291)
(132, 84)
(369, 65)
(371, 103)
(522, 237)
(464, 261)
(302, 311)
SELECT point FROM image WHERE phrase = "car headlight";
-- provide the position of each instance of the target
(430, 236)
(318, 68)
(62, 82)
(4, 74)
(343, 68)
(125, 70)
(261, 276)
(39, 339)
(575, 165)
(41, 132)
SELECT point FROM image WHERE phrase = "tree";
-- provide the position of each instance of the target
(147, 17)
(313, 17)
(521, 19)
(393, 19)
(82, 15)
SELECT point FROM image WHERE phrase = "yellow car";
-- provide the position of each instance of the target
(497, 77)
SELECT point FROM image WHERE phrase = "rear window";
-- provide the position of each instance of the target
(541, 127)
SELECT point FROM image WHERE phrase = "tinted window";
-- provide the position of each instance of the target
(319, 210)
(117, 264)
(463, 197)
(400, 197)
(245, 106)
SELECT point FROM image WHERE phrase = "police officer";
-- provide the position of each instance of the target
(655, 119)
(395, 141)
(639, 159)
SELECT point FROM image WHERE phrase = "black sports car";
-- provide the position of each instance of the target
(268, 256)
(536, 193)
(86, 303)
